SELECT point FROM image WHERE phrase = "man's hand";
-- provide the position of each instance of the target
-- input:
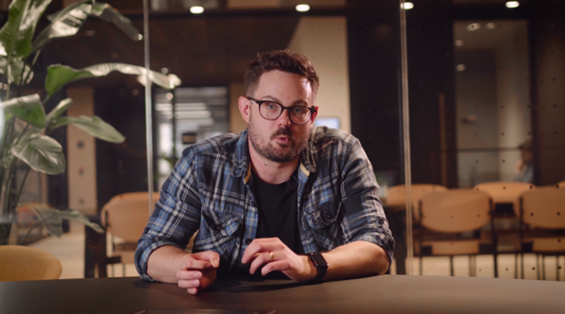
(276, 256)
(192, 272)
(197, 271)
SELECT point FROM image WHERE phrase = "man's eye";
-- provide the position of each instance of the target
(270, 105)
(299, 110)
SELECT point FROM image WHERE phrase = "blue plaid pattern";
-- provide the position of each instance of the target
(210, 190)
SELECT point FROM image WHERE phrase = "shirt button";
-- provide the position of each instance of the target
(248, 241)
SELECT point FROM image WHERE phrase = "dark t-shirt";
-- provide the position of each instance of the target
(276, 204)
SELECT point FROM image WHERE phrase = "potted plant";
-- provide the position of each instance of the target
(25, 137)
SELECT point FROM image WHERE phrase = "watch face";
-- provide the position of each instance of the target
(319, 260)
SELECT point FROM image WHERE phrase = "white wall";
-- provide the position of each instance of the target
(324, 41)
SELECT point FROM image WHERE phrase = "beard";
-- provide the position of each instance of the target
(282, 153)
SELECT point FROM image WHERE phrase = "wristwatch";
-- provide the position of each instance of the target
(321, 265)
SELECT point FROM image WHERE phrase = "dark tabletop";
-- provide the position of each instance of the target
(381, 294)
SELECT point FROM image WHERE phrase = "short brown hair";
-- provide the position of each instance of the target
(282, 60)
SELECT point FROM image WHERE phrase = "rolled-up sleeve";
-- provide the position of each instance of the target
(365, 219)
(176, 216)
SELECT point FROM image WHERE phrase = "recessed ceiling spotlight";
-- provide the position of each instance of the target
(196, 9)
(407, 5)
(460, 67)
(169, 96)
(473, 27)
(164, 70)
(491, 25)
(302, 8)
(458, 42)
(89, 33)
(512, 4)
(139, 37)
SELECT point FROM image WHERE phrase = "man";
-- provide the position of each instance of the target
(280, 197)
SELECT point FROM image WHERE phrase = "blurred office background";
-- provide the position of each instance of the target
(485, 92)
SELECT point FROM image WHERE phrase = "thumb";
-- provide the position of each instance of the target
(211, 256)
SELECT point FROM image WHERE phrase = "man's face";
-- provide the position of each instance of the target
(280, 140)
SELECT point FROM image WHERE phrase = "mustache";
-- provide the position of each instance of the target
(283, 131)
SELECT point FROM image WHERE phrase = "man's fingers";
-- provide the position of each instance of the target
(211, 256)
(196, 264)
(194, 283)
(192, 290)
(188, 274)
(261, 259)
(274, 266)
(261, 245)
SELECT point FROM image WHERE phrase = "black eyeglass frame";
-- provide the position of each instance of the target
(260, 102)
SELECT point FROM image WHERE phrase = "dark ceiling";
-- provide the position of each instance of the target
(201, 51)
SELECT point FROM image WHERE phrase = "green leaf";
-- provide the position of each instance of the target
(15, 70)
(77, 216)
(93, 126)
(59, 110)
(59, 75)
(27, 108)
(16, 34)
(42, 153)
(50, 219)
(108, 14)
(68, 21)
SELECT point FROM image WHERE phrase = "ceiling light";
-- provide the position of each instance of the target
(512, 4)
(473, 27)
(460, 67)
(302, 8)
(169, 96)
(491, 25)
(407, 5)
(139, 37)
(89, 33)
(196, 9)
(458, 42)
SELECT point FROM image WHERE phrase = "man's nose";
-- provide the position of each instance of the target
(284, 118)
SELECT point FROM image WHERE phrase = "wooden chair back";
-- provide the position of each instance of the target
(455, 210)
(544, 207)
(396, 196)
(125, 216)
(20, 263)
(504, 192)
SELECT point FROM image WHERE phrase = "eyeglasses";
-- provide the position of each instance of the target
(271, 110)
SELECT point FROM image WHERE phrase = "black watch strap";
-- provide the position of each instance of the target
(320, 263)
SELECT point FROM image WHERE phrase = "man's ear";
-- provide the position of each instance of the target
(314, 115)
(244, 108)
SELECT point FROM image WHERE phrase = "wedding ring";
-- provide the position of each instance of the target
(272, 256)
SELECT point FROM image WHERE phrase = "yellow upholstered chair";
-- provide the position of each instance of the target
(561, 184)
(506, 195)
(19, 263)
(124, 217)
(544, 207)
(454, 212)
(396, 196)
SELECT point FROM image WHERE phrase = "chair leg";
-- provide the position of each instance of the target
(537, 267)
(451, 265)
(557, 267)
(470, 266)
(421, 263)
(516, 266)
(543, 265)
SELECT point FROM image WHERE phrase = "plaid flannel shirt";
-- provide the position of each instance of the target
(210, 190)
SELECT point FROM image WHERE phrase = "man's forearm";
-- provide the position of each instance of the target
(356, 259)
(164, 263)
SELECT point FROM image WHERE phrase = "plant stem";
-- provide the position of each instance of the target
(22, 184)
(21, 242)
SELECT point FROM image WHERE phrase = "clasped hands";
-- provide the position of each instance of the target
(197, 271)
